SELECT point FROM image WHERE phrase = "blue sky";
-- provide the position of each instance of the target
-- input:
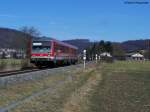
(71, 19)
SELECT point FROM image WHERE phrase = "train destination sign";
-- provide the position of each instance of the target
(37, 44)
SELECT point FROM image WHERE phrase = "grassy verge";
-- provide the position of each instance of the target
(13, 64)
(18, 92)
(53, 100)
(10, 64)
(11, 61)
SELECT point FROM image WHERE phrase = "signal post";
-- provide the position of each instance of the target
(84, 57)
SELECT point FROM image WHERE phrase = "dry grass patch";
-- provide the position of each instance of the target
(18, 92)
(125, 90)
(54, 99)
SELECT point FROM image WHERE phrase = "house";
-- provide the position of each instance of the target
(12, 53)
(137, 56)
(134, 56)
(105, 54)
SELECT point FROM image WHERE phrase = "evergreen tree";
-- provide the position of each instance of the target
(108, 47)
(118, 52)
(101, 46)
(98, 48)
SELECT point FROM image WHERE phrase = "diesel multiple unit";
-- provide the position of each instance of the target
(47, 52)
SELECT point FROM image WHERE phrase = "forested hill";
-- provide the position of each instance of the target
(133, 45)
(80, 43)
(10, 38)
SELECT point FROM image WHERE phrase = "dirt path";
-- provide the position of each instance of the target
(78, 101)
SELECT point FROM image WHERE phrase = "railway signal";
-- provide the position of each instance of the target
(99, 57)
(84, 57)
(96, 58)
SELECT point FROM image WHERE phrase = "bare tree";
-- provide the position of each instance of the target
(32, 31)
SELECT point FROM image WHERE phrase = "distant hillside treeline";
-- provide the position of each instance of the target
(133, 45)
(127, 46)
(10, 38)
(80, 43)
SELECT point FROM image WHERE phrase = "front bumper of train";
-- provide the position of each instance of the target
(41, 59)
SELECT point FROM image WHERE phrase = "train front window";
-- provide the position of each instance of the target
(41, 49)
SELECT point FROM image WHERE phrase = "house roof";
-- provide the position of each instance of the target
(106, 54)
(138, 55)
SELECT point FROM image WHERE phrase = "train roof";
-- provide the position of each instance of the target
(52, 39)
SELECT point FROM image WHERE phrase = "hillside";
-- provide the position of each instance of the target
(130, 45)
(10, 38)
(133, 45)
(80, 43)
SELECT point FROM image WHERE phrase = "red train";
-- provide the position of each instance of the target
(49, 52)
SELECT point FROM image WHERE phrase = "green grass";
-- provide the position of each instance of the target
(11, 61)
(128, 66)
(13, 64)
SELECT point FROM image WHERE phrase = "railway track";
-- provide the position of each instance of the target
(16, 72)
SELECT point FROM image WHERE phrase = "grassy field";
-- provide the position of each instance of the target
(11, 61)
(12, 64)
(125, 88)
(106, 87)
